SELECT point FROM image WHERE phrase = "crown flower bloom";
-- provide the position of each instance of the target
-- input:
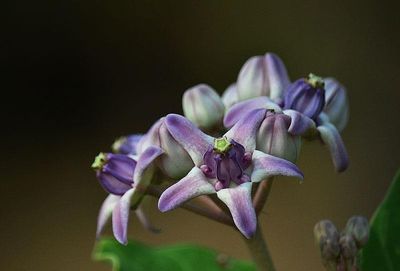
(175, 161)
(226, 166)
(203, 106)
(305, 101)
(263, 76)
(126, 179)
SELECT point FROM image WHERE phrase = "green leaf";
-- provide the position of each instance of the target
(138, 257)
(382, 251)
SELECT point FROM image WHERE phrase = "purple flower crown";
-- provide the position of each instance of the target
(224, 147)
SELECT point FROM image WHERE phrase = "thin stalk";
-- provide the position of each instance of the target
(259, 251)
(262, 194)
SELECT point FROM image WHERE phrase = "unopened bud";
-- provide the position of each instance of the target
(203, 106)
(336, 103)
(306, 96)
(273, 137)
(230, 96)
(262, 76)
(358, 228)
(327, 238)
(348, 247)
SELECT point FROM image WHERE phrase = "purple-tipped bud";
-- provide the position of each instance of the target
(273, 137)
(114, 172)
(175, 162)
(306, 96)
(348, 247)
(336, 103)
(126, 144)
(327, 238)
(230, 96)
(358, 228)
(226, 162)
(203, 106)
(263, 76)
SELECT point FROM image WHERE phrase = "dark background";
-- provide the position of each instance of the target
(77, 74)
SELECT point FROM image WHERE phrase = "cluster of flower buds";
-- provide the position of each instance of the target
(224, 145)
(339, 251)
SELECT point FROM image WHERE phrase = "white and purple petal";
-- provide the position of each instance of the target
(300, 123)
(331, 137)
(193, 140)
(145, 166)
(238, 200)
(266, 165)
(111, 184)
(244, 131)
(239, 110)
(105, 212)
(191, 186)
(120, 217)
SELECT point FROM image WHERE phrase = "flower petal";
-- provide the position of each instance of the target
(193, 185)
(300, 123)
(331, 137)
(238, 200)
(244, 131)
(239, 110)
(266, 165)
(144, 167)
(111, 184)
(120, 217)
(105, 212)
(194, 141)
(151, 138)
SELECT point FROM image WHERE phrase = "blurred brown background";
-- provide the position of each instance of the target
(77, 74)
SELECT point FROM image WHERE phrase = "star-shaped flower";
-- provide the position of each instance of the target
(227, 166)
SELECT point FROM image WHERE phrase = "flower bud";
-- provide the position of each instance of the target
(175, 162)
(126, 144)
(203, 106)
(306, 96)
(327, 237)
(263, 76)
(348, 247)
(273, 137)
(230, 96)
(336, 103)
(358, 228)
(114, 172)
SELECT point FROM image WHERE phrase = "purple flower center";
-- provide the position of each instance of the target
(226, 161)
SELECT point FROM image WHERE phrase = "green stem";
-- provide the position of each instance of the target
(259, 251)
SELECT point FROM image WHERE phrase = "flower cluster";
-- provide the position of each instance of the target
(339, 251)
(225, 146)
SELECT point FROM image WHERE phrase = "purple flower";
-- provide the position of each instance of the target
(300, 124)
(126, 179)
(226, 166)
(127, 144)
(306, 96)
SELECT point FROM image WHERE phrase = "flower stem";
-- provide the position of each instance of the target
(259, 251)
(262, 193)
